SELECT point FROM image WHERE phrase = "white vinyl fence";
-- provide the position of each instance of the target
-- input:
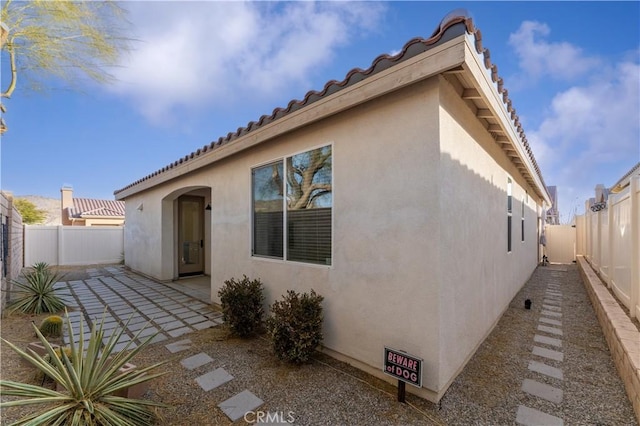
(561, 243)
(73, 245)
(610, 240)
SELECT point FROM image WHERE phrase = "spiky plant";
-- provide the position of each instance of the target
(37, 294)
(51, 326)
(89, 383)
(40, 267)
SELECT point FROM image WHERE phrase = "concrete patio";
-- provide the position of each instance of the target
(123, 297)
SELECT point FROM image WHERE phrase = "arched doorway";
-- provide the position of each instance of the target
(186, 239)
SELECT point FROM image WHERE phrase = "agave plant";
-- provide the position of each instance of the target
(37, 294)
(89, 383)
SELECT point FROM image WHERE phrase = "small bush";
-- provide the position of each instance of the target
(51, 326)
(295, 327)
(241, 302)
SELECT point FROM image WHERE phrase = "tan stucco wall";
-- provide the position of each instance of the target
(479, 277)
(150, 233)
(419, 253)
(380, 289)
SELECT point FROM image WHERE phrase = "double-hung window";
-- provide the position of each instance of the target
(292, 208)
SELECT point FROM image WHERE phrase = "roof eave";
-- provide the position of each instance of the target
(493, 107)
(432, 62)
(100, 217)
(455, 51)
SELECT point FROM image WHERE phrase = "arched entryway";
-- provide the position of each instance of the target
(186, 238)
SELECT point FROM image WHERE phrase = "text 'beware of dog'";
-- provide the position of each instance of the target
(403, 366)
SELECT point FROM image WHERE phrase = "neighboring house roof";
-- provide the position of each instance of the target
(455, 24)
(624, 180)
(88, 207)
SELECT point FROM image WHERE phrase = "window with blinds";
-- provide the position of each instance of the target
(302, 218)
(268, 200)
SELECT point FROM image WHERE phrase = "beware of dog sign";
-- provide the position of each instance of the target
(403, 366)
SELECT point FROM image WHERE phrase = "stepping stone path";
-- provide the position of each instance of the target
(235, 407)
(547, 357)
(141, 307)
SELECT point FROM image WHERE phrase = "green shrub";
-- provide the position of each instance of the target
(51, 326)
(241, 302)
(90, 383)
(295, 326)
(37, 294)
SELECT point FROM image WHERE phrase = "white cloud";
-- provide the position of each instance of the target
(195, 53)
(591, 133)
(540, 58)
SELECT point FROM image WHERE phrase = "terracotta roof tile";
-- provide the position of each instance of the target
(412, 48)
(83, 207)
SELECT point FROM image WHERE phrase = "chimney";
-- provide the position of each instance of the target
(66, 201)
(600, 193)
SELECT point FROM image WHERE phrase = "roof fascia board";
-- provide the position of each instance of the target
(427, 64)
(475, 66)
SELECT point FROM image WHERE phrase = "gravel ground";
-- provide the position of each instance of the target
(328, 392)
(489, 389)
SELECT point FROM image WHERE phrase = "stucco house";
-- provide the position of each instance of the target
(406, 194)
(89, 211)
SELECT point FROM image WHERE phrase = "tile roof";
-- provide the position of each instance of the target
(623, 181)
(448, 28)
(88, 207)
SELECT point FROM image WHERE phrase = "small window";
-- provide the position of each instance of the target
(509, 213)
(522, 223)
(509, 196)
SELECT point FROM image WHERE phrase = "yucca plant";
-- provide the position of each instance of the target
(40, 267)
(89, 383)
(51, 326)
(37, 294)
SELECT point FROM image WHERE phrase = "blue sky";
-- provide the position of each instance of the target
(200, 70)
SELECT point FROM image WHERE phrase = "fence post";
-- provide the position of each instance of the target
(59, 256)
(588, 250)
(611, 248)
(635, 245)
(598, 250)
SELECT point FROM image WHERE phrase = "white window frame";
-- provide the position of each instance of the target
(284, 259)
